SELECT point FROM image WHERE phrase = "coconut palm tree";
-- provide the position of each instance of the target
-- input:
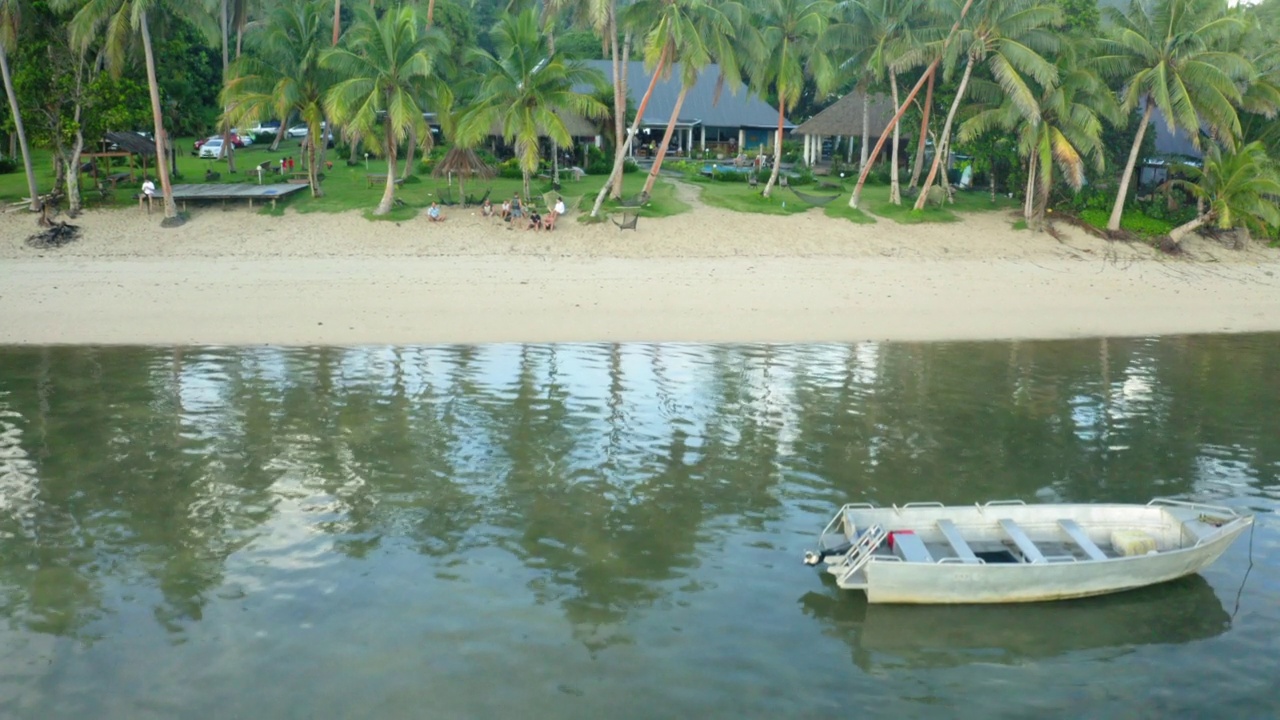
(693, 33)
(523, 91)
(283, 75)
(1175, 55)
(794, 39)
(1011, 37)
(117, 22)
(1235, 189)
(1063, 130)
(387, 70)
(10, 20)
(894, 33)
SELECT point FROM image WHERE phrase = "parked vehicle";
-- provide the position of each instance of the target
(236, 140)
(300, 131)
(211, 147)
(262, 128)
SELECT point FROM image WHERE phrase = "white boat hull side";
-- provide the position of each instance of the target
(955, 583)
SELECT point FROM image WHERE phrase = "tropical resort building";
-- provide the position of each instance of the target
(715, 117)
(836, 128)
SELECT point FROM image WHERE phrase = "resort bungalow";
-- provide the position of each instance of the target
(842, 122)
(735, 121)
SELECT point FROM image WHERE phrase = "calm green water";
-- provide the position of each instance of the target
(588, 531)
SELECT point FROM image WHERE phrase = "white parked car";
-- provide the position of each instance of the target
(300, 131)
(211, 148)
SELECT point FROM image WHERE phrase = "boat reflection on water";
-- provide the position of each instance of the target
(938, 636)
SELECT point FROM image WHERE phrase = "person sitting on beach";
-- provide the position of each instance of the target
(505, 213)
(433, 212)
(486, 208)
(556, 211)
(535, 220)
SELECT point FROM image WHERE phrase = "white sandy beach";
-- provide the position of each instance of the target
(235, 277)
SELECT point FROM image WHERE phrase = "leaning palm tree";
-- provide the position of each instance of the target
(1011, 38)
(1176, 55)
(1237, 189)
(524, 90)
(793, 43)
(10, 19)
(116, 22)
(283, 76)
(387, 71)
(693, 33)
(896, 41)
(1064, 129)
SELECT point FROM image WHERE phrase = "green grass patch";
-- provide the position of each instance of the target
(741, 197)
(876, 200)
(1134, 221)
(1020, 225)
(839, 208)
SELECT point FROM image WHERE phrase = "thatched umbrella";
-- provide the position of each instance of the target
(464, 163)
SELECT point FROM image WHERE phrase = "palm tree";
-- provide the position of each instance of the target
(387, 70)
(122, 19)
(524, 90)
(793, 46)
(1010, 37)
(1234, 189)
(895, 37)
(10, 20)
(1064, 129)
(283, 76)
(692, 33)
(1175, 55)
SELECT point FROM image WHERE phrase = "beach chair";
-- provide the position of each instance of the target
(628, 221)
(444, 195)
(472, 200)
(752, 180)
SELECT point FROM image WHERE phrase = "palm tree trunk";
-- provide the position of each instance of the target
(157, 118)
(388, 194)
(620, 98)
(227, 150)
(1187, 228)
(408, 161)
(666, 140)
(895, 190)
(431, 11)
(955, 27)
(777, 150)
(313, 167)
(944, 142)
(1031, 188)
(1117, 211)
(621, 155)
(337, 20)
(866, 128)
(275, 144)
(924, 134)
(524, 174)
(20, 131)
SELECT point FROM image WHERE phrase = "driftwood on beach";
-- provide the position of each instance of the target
(55, 236)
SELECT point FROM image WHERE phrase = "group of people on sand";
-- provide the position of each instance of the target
(514, 212)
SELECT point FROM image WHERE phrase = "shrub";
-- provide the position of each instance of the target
(510, 169)
(7, 165)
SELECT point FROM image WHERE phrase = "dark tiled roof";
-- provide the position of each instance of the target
(844, 117)
(132, 142)
(732, 109)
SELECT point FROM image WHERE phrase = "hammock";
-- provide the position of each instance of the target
(814, 199)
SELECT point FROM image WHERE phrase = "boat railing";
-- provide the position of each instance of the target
(1194, 505)
(838, 518)
(861, 552)
(996, 503)
(899, 508)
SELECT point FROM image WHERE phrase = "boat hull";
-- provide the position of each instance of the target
(915, 583)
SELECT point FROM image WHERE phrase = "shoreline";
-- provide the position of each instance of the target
(231, 277)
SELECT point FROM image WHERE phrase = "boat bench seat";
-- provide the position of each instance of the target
(1079, 537)
(911, 548)
(1019, 538)
(958, 543)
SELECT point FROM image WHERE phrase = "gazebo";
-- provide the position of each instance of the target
(843, 118)
(464, 163)
(128, 145)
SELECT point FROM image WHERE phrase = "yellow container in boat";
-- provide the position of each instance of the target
(1129, 543)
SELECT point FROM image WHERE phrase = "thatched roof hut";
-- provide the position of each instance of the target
(844, 117)
(462, 162)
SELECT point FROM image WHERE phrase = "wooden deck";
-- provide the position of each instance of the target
(232, 191)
